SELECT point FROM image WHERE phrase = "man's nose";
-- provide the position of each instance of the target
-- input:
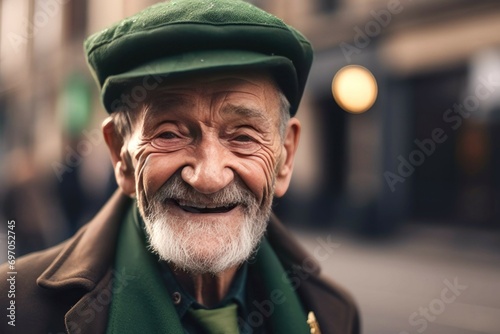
(209, 170)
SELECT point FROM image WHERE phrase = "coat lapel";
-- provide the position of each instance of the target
(85, 264)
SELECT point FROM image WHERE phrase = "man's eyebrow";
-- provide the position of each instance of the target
(246, 112)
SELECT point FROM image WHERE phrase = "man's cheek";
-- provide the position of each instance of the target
(156, 170)
(146, 187)
(258, 176)
(269, 168)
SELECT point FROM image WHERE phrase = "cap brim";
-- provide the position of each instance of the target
(138, 81)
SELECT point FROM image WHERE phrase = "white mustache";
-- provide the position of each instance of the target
(236, 193)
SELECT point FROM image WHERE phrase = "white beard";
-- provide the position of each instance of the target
(204, 246)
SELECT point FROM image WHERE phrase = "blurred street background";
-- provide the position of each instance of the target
(402, 286)
(408, 191)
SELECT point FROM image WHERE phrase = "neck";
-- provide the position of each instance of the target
(207, 289)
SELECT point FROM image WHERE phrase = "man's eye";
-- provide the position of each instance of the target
(243, 138)
(168, 135)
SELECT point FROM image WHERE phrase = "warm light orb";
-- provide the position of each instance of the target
(354, 88)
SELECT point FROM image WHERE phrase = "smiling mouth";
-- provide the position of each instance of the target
(204, 208)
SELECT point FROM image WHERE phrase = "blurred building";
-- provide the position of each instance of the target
(427, 151)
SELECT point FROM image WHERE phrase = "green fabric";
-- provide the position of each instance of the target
(289, 316)
(143, 305)
(221, 320)
(169, 32)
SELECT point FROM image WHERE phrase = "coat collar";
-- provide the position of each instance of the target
(88, 255)
(288, 249)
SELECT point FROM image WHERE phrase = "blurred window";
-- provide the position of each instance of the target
(76, 20)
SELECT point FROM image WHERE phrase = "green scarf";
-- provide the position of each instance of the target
(144, 305)
(288, 315)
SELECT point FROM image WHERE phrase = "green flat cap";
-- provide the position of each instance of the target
(186, 36)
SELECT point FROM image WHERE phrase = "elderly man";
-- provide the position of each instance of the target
(201, 133)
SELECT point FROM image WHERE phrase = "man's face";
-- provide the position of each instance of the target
(206, 155)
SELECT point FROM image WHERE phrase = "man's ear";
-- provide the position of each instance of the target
(120, 157)
(285, 165)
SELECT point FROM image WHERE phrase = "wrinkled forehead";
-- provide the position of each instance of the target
(257, 90)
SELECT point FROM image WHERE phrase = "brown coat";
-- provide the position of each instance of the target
(67, 288)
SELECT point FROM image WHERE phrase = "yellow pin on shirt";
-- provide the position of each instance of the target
(313, 323)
